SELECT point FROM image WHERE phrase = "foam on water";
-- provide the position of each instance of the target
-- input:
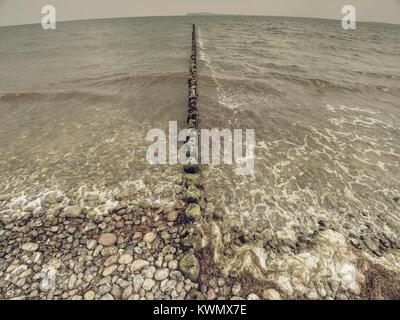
(224, 98)
(326, 155)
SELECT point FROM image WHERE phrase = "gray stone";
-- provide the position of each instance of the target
(271, 294)
(173, 264)
(30, 246)
(312, 294)
(237, 287)
(89, 295)
(108, 239)
(91, 244)
(161, 274)
(137, 282)
(253, 296)
(138, 265)
(148, 284)
(125, 259)
(102, 290)
(107, 296)
(72, 212)
(109, 270)
(149, 237)
(149, 272)
(111, 260)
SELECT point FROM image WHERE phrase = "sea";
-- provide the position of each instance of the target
(76, 104)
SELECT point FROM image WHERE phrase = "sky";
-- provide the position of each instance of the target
(15, 12)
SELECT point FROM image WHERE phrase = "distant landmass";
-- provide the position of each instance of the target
(201, 14)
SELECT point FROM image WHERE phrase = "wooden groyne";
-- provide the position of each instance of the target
(191, 168)
(192, 240)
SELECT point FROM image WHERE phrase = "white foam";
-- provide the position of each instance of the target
(224, 98)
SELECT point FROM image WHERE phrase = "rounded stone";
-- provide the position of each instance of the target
(137, 282)
(161, 274)
(89, 295)
(148, 284)
(271, 294)
(72, 212)
(149, 237)
(173, 264)
(91, 244)
(111, 260)
(138, 265)
(108, 239)
(211, 295)
(312, 294)
(172, 216)
(125, 259)
(253, 296)
(109, 270)
(30, 246)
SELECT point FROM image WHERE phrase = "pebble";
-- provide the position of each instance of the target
(161, 274)
(149, 237)
(30, 246)
(89, 295)
(148, 284)
(125, 259)
(137, 282)
(72, 281)
(172, 216)
(127, 292)
(108, 239)
(137, 236)
(312, 295)
(51, 198)
(72, 212)
(103, 289)
(211, 295)
(109, 270)
(271, 294)
(91, 244)
(236, 289)
(253, 296)
(173, 264)
(149, 272)
(138, 265)
(111, 260)
(107, 296)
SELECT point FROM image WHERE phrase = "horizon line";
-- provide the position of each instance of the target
(199, 14)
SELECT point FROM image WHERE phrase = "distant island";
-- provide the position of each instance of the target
(201, 14)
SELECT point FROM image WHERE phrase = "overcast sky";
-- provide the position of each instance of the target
(13, 12)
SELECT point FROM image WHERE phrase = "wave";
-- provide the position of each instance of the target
(104, 87)
(126, 79)
(29, 96)
(248, 86)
